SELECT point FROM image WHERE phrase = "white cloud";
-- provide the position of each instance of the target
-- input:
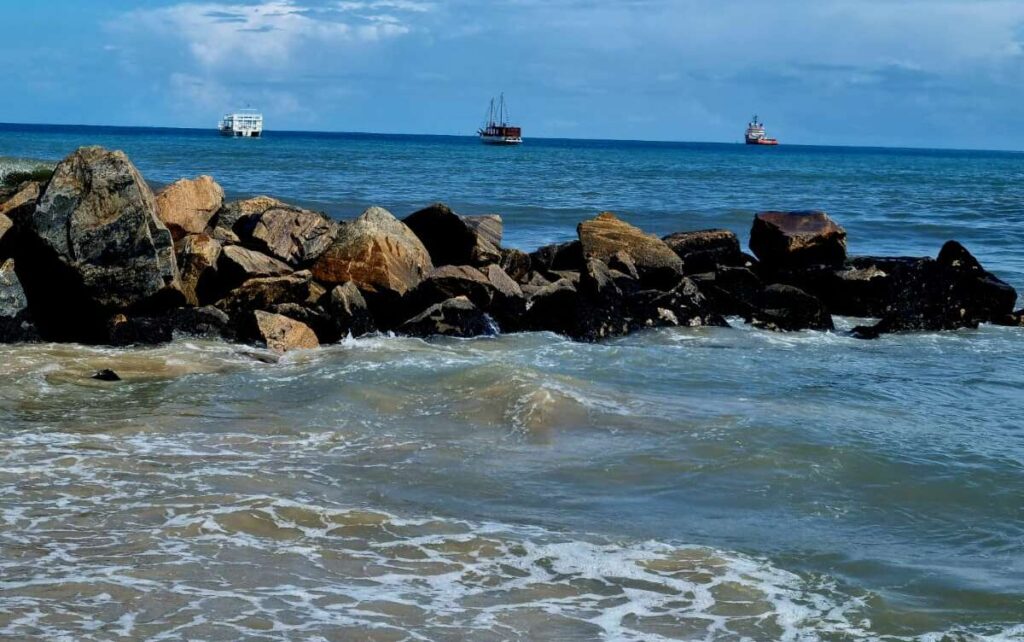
(271, 34)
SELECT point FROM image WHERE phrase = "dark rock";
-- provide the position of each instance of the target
(553, 307)
(237, 265)
(558, 256)
(508, 302)
(732, 291)
(198, 256)
(456, 317)
(348, 312)
(448, 282)
(94, 246)
(22, 202)
(15, 319)
(786, 308)
(797, 239)
(489, 227)
(266, 292)
(377, 252)
(106, 375)
(290, 234)
(623, 262)
(453, 240)
(234, 213)
(605, 235)
(516, 263)
(705, 250)
(206, 323)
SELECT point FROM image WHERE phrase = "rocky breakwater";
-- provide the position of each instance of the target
(92, 255)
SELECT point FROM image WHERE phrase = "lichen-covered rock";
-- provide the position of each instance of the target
(281, 334)
(605, 235)
(376, 252)
(187, 205)
(291, 234)
(451, 239)
(198, 255)
(797, 239)
(94, 245)
(705, 250)
(235, 211)
(456, 317)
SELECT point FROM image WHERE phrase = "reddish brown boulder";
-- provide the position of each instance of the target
(186, 206)
(282, 334)
(797, 239)
(198, 255)
(605, 235)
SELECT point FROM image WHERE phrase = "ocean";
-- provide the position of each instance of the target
(678, 484)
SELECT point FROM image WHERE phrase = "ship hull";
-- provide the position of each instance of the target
(500, 140)
(769, 142)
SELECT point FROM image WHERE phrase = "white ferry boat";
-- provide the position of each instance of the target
(247, 123)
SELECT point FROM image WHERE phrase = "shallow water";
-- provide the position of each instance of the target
(715, 483)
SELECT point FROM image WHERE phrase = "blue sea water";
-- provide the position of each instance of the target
(724, 484)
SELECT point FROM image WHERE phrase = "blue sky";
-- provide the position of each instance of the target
(939, 73)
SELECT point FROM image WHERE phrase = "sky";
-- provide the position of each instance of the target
(916, 73)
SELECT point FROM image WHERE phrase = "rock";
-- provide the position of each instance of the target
(950, 292)
(187, 205)
(448, 282)
(293, 235)
(198, 256)
(558, 256)
(786, 308)
(456, 317)
(106, 375)
(684, 305)
(264, 293)
(348, 312)
(23, 202)
(605, 235)
(516, 263)
(231, 213)
(206, 322)
(6, 236)
(731, 290)
(94, 246)
(553, 307)
(237, 265)
(705, 250)
(281, 334)
(507, 298)
(489, 227)
(377, 252)
(453, 240)
(797, 239)
(15, 318)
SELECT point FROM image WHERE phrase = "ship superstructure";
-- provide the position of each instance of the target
(247, 123)
(756, 134)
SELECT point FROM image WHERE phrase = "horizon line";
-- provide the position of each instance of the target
(525, 138)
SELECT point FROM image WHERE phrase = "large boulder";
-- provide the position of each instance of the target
(291, 234)
(377, 252)
(235, 211)
(187, 205)
(454, 240)
(22, 202)
(281, 334)
(198, 255)
(15, 318)
(797, 239)
(605, 235)
(953, 291)
(94, 245)
(456, 317)
(266, 292)
(447, 282)
(204, 323)
(706, 250)
(551, 258)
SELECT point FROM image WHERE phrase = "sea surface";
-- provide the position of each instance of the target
(683, 484)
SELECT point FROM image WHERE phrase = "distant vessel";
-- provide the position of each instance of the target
(756, 135)
(247, 123)
(496, 130)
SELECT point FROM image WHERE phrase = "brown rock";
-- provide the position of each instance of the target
(198, 255)
(377, 252)
(797, 239)
(293, 235)
(238, 264)
(282, 334)
(266, 292)
(24, 199)
(231, 213)
(516, 263)
(489, 227)
(187, 205)
(602, 237)
(456, 317)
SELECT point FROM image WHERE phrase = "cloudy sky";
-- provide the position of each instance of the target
(942, 73)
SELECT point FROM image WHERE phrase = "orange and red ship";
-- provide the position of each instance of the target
(756, 134)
